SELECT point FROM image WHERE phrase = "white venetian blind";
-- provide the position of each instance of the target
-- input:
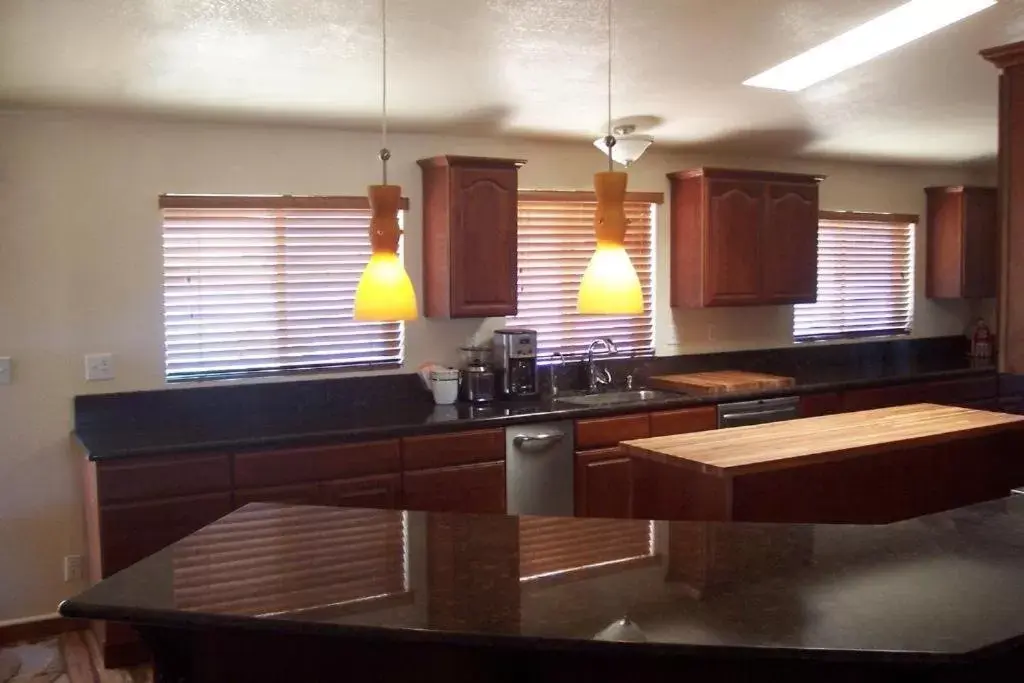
(267, 284)
(865, 278)
(556, 241)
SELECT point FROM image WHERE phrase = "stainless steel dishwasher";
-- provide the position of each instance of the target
(539, 469)
(758, 412)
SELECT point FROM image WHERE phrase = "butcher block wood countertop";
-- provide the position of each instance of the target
(784, 445)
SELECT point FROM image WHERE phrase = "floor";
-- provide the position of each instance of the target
(70, 658)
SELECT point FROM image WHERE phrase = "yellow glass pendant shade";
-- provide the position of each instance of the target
(385, 292)
(610, 285)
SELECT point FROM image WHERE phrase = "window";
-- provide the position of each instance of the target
(556, 241)
(268, 559)
(865, 278)
(267, 284)
(561, 545)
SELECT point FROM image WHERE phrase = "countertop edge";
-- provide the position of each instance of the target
(567, 412)
(196, 621)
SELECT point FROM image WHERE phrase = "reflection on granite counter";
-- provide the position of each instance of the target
(327, 411)
(945, 587)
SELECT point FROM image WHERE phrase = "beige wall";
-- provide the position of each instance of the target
(80, 271)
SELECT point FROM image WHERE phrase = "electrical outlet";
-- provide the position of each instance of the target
(712, 333)
(99, 366)
(73, 568)
(5, 370)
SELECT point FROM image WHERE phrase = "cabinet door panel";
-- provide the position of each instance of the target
(945, 248)
(133, 531)
(736, 216)
(369, 492)
(604, 485)
(789, 245)
(483, 242)
(981, 243)
(469, 488)
(813, 405)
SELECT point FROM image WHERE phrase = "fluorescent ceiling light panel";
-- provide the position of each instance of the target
(887, 32)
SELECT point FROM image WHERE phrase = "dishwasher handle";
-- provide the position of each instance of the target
(534, 443)
(753, 417)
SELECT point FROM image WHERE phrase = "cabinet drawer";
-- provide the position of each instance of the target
(477, 488)
(133, 531)
(382, 491)
(295, 465)
(144, 478)
(295, 494)
(461, 448)
(667, 422)
(609, 431)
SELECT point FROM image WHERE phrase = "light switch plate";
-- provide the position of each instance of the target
(99, 366)
(5, 370)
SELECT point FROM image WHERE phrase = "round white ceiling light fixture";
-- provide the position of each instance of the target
(628, 147)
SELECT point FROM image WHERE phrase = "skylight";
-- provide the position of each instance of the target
(887, 32)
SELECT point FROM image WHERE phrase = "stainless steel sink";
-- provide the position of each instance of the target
(612, 398)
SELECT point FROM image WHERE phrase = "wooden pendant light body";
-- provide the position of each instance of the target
(610, 216)
(385, 201)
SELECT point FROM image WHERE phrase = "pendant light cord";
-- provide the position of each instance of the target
(385, 153)
(609, 138)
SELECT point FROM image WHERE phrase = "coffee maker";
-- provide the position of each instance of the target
(515, 363)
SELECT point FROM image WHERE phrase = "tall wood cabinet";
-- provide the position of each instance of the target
(963, 242)
(743, 238)
(1010, 60)
(469, 236)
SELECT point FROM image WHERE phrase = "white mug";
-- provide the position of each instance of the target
(445, 386)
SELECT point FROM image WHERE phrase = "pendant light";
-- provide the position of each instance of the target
(610, 285)
(385, 291)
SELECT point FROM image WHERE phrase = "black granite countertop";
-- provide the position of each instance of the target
(173, 421)
(946, 587)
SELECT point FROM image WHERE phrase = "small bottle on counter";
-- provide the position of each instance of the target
(982, 340)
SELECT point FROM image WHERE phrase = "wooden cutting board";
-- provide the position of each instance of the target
(721, 382)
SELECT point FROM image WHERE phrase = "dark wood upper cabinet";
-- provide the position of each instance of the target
(469, 236)
(963, 242)
(743, 238)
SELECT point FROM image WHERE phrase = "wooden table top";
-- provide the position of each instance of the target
(781, 445)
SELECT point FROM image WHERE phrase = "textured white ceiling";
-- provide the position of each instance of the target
(523, 67)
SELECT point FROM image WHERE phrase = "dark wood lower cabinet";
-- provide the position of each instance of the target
(134, 531)
(467, 488)
(604, 486)
(813, 405)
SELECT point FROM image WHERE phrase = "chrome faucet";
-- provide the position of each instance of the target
(599, 376)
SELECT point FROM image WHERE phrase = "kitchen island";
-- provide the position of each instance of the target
(295, 593)
(867, 467)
